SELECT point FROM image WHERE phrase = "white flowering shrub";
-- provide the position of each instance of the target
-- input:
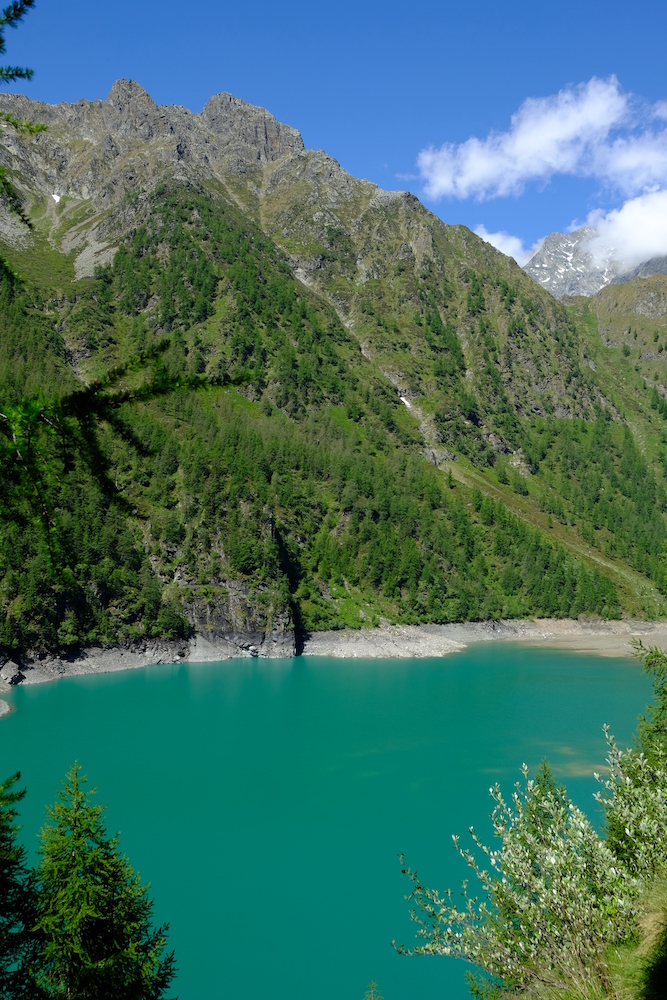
(555, 895)
(634, 798)
(634, 793)
(552, 896)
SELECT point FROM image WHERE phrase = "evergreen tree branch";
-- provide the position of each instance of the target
(8, 74)
(31, 429)
(26, 127)
(15, 12)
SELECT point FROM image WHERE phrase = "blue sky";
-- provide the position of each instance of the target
(376, 84)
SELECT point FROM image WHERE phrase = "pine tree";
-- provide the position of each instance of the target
(10, 18)
(93, 912)
(372, 991)
(16, 898)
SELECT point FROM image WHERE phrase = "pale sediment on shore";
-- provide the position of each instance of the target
(143, 653)
(605, 638)
(5, 708)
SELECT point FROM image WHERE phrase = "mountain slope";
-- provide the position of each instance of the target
(380, 349)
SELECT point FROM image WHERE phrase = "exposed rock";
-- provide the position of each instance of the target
(605, 638)
(10, 673)
(633, 312)
(100, 150)
(565, 265)
(656, 265)
(277, 642)
(235, 623)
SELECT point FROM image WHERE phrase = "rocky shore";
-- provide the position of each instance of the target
(36, 669)
(604, 638)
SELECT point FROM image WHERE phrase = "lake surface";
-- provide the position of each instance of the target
(267, 801)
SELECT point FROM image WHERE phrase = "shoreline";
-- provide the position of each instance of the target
(595, 636)
(601, 638)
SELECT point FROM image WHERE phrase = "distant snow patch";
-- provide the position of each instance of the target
(406, 401)
(56, 198)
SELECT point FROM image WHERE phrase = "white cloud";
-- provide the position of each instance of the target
(636, 231)
(510, 245)
(563, 133)
(632, 163)
(592, 130)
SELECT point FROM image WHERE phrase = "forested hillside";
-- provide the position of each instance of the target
(371, 415)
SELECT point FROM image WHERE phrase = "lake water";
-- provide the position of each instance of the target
(267, 801)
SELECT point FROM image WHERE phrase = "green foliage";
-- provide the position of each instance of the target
(64, 534)
(634, 792)
(606, 489)
(80, 925)
(17, 902)
(372, 992)
(658, 403)
(553, 899)
(10, 18)
(565, 912)
(93, 916)
(475, 302)
(362, 511)
(306, 484)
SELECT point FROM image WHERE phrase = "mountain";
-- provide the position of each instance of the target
(90, 178)
(570, 264)
(566, 265)
(633, 314)
(420, 432)
(656, 265)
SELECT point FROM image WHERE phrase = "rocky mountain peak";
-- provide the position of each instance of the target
(237, 121)
(575, 264)
(130, 110)
(103, 149)
(566, 265)
(129, 97)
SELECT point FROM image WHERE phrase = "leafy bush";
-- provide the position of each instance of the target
(556, 895)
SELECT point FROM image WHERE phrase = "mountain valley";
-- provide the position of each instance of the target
(380, 416)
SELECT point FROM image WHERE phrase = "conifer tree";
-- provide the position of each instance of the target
(16, 898)
(10, 18)
(372, 991)
(94, 915)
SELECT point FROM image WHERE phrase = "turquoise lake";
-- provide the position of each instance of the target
(267, 801)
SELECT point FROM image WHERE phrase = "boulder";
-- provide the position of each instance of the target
(10, 673)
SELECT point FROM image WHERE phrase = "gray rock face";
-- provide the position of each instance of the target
(103, 149)
(240, 127)
(565, 265)
(99, 152)
(278, 641)
(656, 265)
(10, 673)
(233, 626)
